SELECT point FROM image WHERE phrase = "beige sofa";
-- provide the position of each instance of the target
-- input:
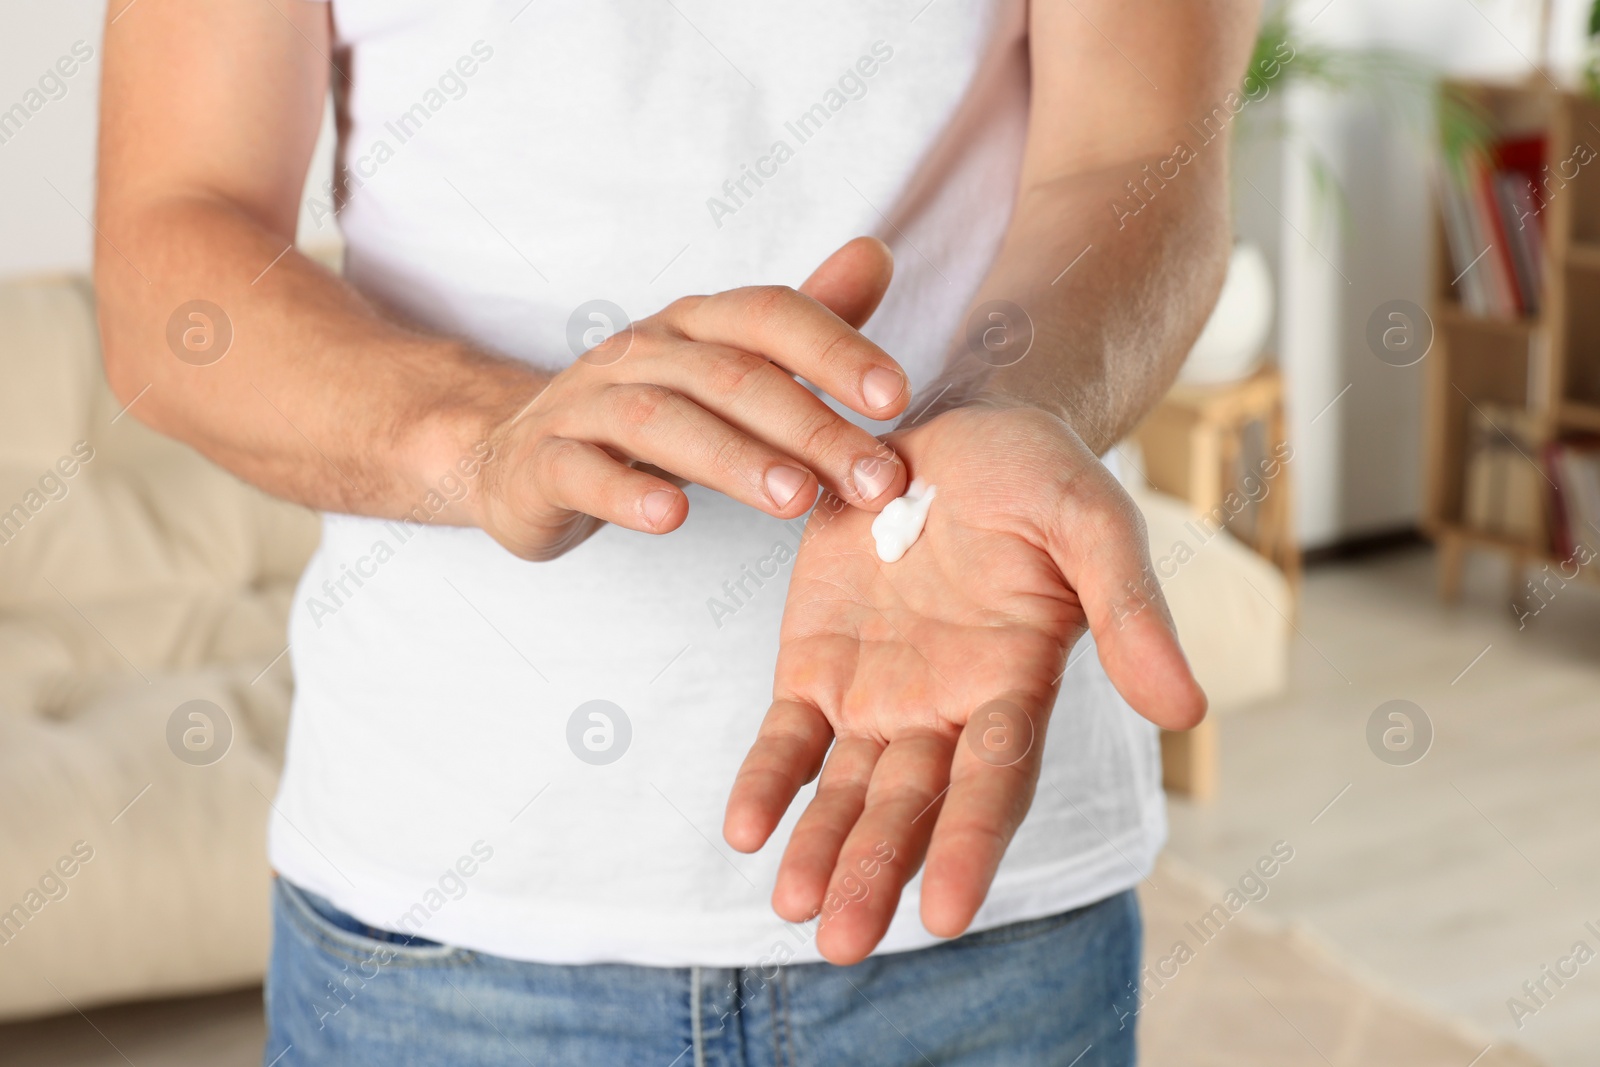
(144, 579)
(136, 578)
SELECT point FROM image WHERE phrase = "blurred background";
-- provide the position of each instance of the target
(1371, 499)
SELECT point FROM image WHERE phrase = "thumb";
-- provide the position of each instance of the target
(1103, 553)
(852, 281)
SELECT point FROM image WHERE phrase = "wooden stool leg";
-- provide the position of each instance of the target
(1205, 469)
(1287, 552)
(1452, 559)
(1189, 761)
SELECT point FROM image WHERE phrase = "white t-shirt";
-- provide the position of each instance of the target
(505, 163)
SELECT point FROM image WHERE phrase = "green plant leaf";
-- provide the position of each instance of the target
(1441, 120)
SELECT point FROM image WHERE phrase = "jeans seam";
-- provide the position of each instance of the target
(782, 1041)
(697, 1035)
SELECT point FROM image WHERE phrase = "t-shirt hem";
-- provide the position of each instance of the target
(569, 935)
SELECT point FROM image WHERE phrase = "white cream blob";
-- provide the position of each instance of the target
(899, 524)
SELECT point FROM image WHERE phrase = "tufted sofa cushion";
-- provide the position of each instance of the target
(134, 577)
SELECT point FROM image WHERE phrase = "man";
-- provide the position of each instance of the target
(519, 709)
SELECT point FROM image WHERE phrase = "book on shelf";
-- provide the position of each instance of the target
(1504, 494)
(1519, 172)
(1515, 203)
(1504, 302)
(1464, 247)
(1573, 467)
(1493, 221)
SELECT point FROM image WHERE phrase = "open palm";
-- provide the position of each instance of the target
(932, 678)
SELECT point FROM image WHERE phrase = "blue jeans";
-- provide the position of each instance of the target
(1050, 991)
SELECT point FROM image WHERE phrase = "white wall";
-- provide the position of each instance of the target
(38, 228)
(44, 228)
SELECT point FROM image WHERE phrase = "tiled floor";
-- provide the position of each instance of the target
(1459, 877)
(1253, 991)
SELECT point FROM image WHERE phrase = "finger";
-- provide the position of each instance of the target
(851, 282)
(753, 395)
(886, 846)
(578, 476)
(655, 424)
(1103, 552)
(803, 337)
(992, 783)
(813, 848)
(787, 753)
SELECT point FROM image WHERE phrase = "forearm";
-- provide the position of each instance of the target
(321, 397)
(1113, 300)
(1119, 239)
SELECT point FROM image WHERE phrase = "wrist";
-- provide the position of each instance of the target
(965, 389)
(452, 448)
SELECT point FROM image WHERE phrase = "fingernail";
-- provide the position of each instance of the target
(783, 483)
(658, 504)
(881, 387)
(872, 476)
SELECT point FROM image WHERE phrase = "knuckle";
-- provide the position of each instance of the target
(732, 372)
(551, 478)
(735, 454)
(639, 406)
(680, 309)
(556, 454)
(821, 433)
(836, 350)
(769, 300)
(1113, 516)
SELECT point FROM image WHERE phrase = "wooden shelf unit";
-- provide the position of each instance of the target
(1547, 365)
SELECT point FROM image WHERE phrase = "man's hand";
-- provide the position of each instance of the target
(705, 391)
(932, 678)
